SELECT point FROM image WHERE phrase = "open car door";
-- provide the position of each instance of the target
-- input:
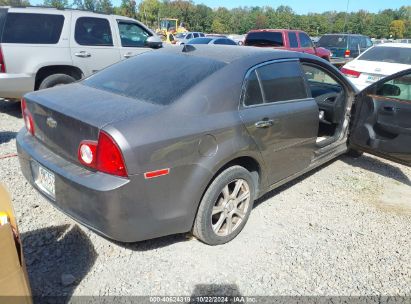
(381, 121)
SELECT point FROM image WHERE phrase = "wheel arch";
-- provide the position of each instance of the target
(46, 71)
(248, 162)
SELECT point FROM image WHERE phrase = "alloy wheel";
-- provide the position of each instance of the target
(231, 207)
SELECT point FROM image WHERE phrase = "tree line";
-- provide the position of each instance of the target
(389, 23)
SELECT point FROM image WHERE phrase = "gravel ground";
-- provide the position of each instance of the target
(344, 229)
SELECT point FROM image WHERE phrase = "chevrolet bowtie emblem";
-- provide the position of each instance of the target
(51, 122)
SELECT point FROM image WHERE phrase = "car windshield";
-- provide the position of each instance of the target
(339, 41)
(200, 41)
(264, 39)
(181, 35)
(388, 54)
(148, 76)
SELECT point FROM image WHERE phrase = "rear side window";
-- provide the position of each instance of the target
(32, 28)
(305, 41)
(253, 95)
(274, 39)
(292, 37)
(355, 42)
(148, 77)
(281, 81)
(93, 31)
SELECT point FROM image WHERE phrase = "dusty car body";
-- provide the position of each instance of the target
(192, 155)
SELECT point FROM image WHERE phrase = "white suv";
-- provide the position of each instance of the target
(44, 47)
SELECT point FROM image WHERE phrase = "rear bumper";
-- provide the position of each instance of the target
(15, 85)
(126, 210)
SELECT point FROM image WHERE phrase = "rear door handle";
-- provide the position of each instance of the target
(128, 55)
(82, 54)
(266, 123)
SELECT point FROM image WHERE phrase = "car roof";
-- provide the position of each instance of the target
(227, 54)
(393, 44)
(43, 9)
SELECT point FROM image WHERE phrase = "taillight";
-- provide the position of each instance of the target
(2, 64)
(28, 118)
(347, 53)
(87, 153)
(103, 155)
(350, 73)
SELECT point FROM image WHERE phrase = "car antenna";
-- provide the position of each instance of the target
(188, 48)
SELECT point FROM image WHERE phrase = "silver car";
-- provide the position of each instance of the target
(184, 38)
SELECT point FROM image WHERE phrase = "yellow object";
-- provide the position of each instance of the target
(14, 282)
(4, 218)
(169, 26)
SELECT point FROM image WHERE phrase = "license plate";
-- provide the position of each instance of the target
(44, 179)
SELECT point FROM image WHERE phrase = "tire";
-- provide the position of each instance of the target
(354, 153)
(54, 80)
(215, 229)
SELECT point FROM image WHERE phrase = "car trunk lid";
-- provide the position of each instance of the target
(67, 115)
(372, 71)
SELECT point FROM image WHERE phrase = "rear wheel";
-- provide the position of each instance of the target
(55, 80)
(225, 207)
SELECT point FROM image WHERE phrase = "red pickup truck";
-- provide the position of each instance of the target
(292, 40)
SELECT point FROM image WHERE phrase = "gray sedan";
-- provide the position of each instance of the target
(138, 151)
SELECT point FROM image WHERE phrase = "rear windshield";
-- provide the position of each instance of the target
(264, 39)
(32, 28)
(339, 41)
(388, 54)
(155, 77)
(200, 41)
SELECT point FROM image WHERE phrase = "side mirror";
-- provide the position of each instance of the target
(388, 90)
(154, 42)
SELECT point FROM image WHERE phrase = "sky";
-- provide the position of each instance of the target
(299, 6)
(313, 6)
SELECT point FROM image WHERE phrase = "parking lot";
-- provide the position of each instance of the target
(343, 229)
